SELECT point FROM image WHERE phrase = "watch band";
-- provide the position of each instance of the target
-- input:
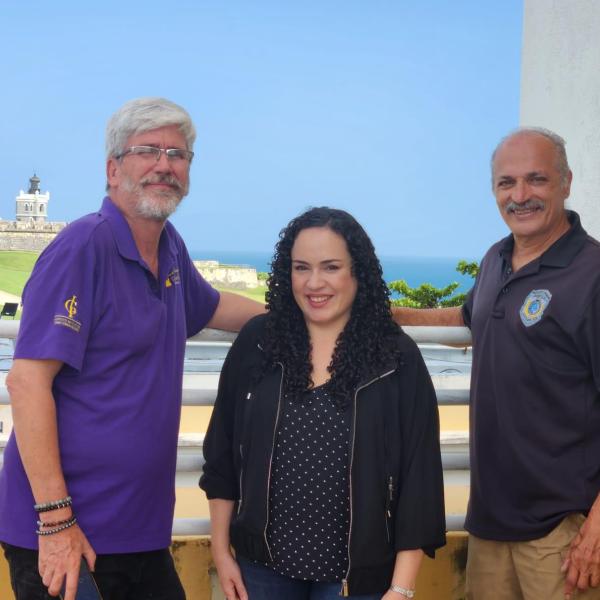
(404, 591)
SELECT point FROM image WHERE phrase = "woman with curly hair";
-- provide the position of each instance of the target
(323, 466)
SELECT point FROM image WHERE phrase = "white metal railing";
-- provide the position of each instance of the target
(199, 389)
(452, 336)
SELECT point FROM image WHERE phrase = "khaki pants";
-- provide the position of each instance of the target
(523, 570)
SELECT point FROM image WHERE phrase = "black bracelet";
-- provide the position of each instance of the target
(54, 505)
(68, 524)
(53, 523)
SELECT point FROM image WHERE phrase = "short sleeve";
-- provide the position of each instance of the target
(219, 478)
(420, 518)
(587, 336)
(58, 303)
(201, 299)
(467, 308)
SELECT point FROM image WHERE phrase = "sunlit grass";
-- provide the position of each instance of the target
(15, 268)
(257, 294)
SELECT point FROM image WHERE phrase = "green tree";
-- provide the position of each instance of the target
(467, 268)
(424, 296)
(428, 296)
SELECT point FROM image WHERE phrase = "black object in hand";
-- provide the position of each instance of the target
(86, 586)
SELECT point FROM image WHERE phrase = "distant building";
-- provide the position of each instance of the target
(33, 205)
(228, 276)
(30, 231)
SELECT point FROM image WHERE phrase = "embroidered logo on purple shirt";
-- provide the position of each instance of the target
(68, 320)
(173, 278)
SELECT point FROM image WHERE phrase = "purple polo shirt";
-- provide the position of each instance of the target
(92, 303)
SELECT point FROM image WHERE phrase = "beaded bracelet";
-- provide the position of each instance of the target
(53, 523)
(68, 524)
(54, 505)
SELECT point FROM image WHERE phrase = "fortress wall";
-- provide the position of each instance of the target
(227, 276)
(34, 237)
(28, 236)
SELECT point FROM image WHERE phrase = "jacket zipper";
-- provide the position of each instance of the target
(248, 396)
(344, 591)
(271, 460)
(388, 506)
(241, 476)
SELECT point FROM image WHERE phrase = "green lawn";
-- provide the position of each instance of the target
(257, 294)
(15, 268)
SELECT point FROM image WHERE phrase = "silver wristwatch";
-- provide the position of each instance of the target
(405, 592)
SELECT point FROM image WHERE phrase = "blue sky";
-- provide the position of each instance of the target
(389, 109)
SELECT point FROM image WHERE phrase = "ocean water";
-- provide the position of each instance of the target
(413, 269)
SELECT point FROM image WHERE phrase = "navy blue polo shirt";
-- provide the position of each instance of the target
(535, 388)
(92, 303)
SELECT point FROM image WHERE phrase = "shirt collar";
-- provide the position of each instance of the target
(567, 247)
(562, 252)
(124, 237)
(121, 231)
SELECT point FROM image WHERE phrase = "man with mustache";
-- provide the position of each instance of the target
(97, 376)
(534, 314)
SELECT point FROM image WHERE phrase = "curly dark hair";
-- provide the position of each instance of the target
(369, 339)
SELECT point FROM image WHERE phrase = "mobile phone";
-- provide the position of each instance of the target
(86, 586)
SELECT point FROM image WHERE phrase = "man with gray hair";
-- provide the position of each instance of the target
(96, 382)
(534, 314)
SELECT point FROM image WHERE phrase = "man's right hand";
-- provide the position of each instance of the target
(59, 559)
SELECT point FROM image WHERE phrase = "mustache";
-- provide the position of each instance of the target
(163, 178)
(530, 204)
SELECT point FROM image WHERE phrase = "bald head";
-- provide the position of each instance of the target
(557, 142)
(531, 181)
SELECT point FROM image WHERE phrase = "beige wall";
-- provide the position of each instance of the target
(439, 579)
(560, 89)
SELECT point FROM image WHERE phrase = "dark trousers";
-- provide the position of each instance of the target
(133, 576)
(263, 583)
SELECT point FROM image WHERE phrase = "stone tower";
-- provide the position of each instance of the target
(33, 205)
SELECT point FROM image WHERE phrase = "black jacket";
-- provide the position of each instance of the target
(396, 486)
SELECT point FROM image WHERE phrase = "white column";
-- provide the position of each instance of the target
(560, 90)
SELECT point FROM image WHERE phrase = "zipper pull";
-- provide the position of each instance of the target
(248, 395)
(391, 488)
(344, 588)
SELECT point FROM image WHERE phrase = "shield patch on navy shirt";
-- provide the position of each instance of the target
(534, 306)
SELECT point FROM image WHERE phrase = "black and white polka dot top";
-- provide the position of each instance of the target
(309, 494)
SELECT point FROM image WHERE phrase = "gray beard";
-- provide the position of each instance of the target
(150, 208)
(155, 208)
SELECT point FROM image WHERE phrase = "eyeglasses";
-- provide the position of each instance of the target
(152, 152)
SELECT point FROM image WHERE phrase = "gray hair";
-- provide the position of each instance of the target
(562, 164)
(146, 114)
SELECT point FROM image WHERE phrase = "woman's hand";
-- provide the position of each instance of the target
(405, 572)
(230, 577)
(389, 595)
